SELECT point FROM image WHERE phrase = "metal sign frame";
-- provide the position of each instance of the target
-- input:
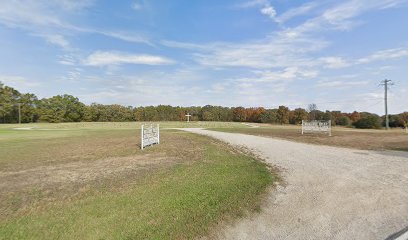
(149, 136)
(316, 127)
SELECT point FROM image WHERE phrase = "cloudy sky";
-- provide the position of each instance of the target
(249, 53)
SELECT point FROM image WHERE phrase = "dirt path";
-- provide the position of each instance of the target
(331, 193)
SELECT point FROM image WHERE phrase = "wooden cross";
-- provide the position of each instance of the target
(188, 117)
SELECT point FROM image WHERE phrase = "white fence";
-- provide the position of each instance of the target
(149, 136)
(316, 127)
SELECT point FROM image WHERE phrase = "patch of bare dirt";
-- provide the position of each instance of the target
(22, 188)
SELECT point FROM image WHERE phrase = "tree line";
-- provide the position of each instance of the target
(67, 108)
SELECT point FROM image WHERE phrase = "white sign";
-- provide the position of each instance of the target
(316, 126)
(149, 136)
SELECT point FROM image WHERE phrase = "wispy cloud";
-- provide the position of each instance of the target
(265, 7)
(274, 51)
(49, 19)
(341, 84)
(125, 36)
(252, 3)
(136, 6)
(58, 40)
(269, 11)
(297, 11)
(334, 62)
(68, 59)
(290, 47)
(341, 16)
(286, 75)
(101, 58)
(393, 53)
(19, 82)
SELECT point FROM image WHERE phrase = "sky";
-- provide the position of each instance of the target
(192, 53)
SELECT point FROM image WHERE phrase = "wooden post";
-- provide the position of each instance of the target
(141, 138)
(158, 134)
(330, 128)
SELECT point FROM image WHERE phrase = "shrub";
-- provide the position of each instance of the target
(343, 121)
(368, 121)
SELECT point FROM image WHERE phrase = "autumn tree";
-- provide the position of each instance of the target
(298, 115)
(282, 115)
(355, 116)
(239, 114)
(404, 117)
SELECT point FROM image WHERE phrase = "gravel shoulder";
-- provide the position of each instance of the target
(330, 192)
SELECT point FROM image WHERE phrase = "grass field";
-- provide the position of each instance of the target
(395, 139)
(91, 181)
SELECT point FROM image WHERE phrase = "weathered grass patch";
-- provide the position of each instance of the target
(342, 137)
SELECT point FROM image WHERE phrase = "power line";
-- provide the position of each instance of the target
(386, 83)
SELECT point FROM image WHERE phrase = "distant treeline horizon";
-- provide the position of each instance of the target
(68, 108)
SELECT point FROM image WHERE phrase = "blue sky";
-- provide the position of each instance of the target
(231, 53)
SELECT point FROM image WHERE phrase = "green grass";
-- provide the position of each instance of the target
(181, 201)
(401, 149)
(120, 125)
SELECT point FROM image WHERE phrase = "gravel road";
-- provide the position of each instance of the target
(330, 193)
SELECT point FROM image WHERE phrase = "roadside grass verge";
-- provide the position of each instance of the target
(212, 183)
(341, 137)
(401, 149)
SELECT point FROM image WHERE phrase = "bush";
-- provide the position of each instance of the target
(369, 121)
(343, 121)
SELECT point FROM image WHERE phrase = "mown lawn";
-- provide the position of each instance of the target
(201, 183)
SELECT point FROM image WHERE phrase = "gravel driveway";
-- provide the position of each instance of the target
(330, 193)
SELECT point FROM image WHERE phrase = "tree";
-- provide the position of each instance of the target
(343, 121)
(327, 116)
(282, 115)
(29, 104)
(9, 100)
(355, 116)
(396, 121)
(269, 116)
(404, 117)
(208, 113)
(299, 114)
(254, 114)
(312, 108)
(61, 108)
(239, 114)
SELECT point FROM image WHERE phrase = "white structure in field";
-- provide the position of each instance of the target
(316, 127)
(149, 136)
(188, 115)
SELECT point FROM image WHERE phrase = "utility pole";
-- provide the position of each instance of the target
(385, 83)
